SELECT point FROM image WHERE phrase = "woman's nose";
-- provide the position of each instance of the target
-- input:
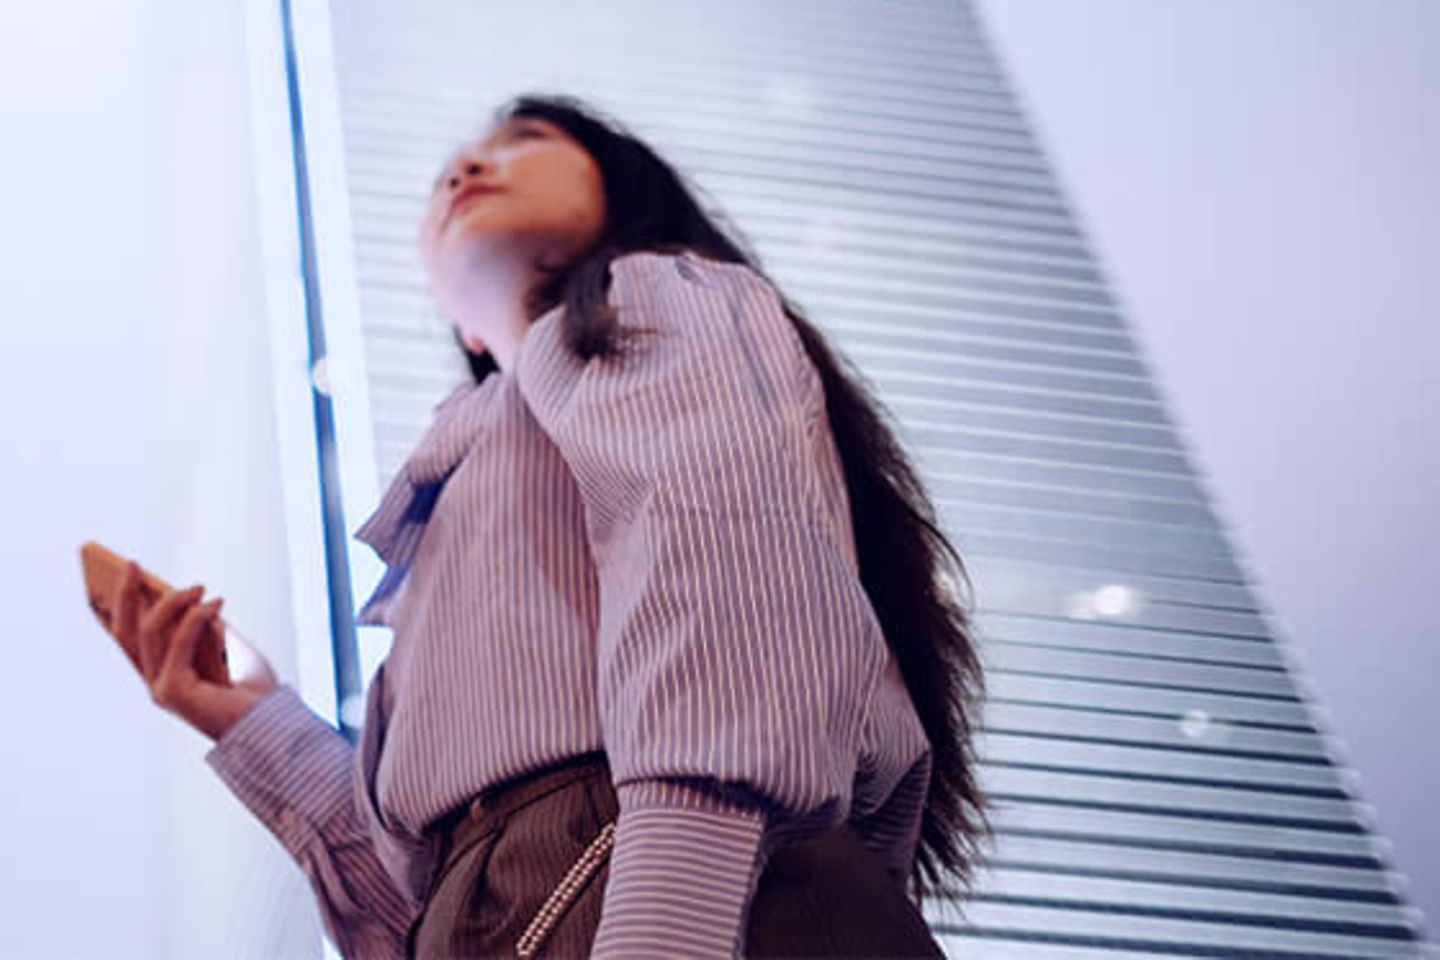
(465, 171)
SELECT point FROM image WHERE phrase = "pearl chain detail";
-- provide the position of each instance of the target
(565, 893)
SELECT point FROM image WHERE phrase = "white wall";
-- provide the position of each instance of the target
(1259, 181)
(134, 378)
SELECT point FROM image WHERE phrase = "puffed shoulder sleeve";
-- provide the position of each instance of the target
(737, 653)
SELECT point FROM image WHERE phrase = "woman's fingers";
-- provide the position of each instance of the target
(155, 627)
(162, 635)
(177, 675)
(126, 613)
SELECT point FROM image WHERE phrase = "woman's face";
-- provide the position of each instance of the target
(524, 193)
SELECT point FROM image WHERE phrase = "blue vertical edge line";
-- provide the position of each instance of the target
(345, 648)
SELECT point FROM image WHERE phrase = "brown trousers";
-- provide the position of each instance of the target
(502, 857)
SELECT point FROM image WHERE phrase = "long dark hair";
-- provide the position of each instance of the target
(910, 571)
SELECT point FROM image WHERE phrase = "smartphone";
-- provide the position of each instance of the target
(104, 569)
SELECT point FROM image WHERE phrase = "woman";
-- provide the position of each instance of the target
(677, 669)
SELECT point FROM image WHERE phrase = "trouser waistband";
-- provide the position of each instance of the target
(487, 811)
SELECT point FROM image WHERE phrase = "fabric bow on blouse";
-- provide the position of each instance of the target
(395, 528)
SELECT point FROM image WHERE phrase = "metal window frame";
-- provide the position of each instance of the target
(321, 392)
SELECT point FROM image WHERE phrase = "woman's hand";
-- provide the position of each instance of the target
(161, 643)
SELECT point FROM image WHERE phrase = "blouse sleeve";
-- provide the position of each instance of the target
(295, 773)
(737, 651)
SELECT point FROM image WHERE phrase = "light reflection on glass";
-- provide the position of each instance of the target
(1114, 600)
(320, 376)
(352, 710)
(1111, 602)
(1199, 724)
(1194, 723)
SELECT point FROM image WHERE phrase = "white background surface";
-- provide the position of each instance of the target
(135, 384)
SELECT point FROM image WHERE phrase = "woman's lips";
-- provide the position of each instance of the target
(465, 196)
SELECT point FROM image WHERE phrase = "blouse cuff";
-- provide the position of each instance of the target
(682, 873)
(289, 767)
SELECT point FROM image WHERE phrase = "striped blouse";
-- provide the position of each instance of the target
(650, 555)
